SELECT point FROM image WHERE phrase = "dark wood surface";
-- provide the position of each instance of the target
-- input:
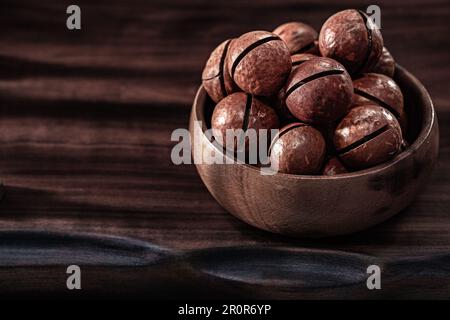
(124, 267)
(86, 118)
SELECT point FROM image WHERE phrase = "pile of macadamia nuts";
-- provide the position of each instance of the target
(330, 94)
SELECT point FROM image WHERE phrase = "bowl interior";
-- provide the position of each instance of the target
(418, 107)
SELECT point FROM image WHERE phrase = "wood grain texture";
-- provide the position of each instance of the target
(86, 119)
(125, 268)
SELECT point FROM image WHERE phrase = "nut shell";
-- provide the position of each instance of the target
(333, 167)
(319, 91)
(215, 78)
(298, 149)
(259, 63)
(367, 136)
(279, 104)
(346, 38)
(385, 65)
(299, 58)
(241, 111)
(327, 131)
(280, 99)
(372, 88)
(298, 36)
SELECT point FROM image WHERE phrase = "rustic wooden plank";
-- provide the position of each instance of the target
(123, 267)
(86, 119)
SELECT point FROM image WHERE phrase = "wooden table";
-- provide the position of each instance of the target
(86, 118)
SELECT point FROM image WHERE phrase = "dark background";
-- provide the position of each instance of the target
(86, 118)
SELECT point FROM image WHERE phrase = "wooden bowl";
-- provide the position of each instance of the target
(320, 206)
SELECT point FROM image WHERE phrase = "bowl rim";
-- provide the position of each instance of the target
(429, 119)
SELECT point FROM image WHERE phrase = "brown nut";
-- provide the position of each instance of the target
(327, 131)
(385, 65)
(367, 136)
(241, 111)
(351, 38)
(259, 63)
(319, 91)
(215, 78)
(298, 149)
(299, 58)
(279, 101)
(372, 88)
(333, 167)
(298, 36)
